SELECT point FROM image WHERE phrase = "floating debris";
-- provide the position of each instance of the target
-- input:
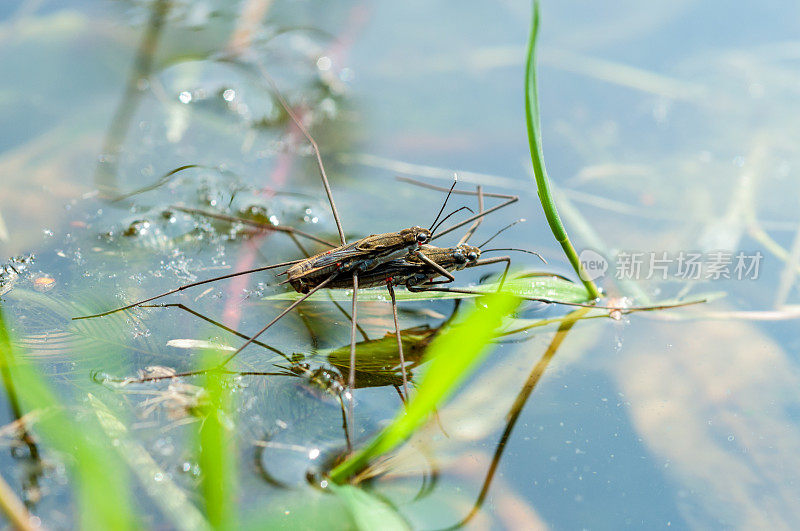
(44, 283)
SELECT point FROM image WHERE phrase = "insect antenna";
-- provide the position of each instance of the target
(500, 231)
(449, 192)
(433, 230)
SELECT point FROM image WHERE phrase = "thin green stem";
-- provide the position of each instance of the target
(537, 157)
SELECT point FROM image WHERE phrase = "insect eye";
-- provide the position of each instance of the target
(422, 237)
(472, 256)
(459, 258)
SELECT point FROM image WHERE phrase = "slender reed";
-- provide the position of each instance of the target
(533, 121)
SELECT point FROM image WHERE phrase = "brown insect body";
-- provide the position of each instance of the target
(410, 269)
(362, 255)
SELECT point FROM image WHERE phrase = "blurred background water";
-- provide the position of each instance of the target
(669, 126)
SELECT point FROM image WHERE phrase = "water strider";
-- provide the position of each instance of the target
(347, 260)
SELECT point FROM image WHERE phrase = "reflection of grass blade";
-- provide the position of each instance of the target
(519, 404)
(537, 157)
(165, 493)
(105, 177)
(217, 451)
(453, 354)
(367, 511)
(13, 508)
(57, 334)
(102, 484)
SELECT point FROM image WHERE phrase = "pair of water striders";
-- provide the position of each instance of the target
(406, 258)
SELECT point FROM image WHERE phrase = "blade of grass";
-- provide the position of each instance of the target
(217, 450)
(552, 288)
(103, 489)
(453, 354)
(533, 121)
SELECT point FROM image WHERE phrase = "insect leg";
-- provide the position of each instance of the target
(390, 287)
(187, 286)
(439, 269)
(495, 260)
(264, 226)
(480, 215)
(250, 340)
(313, 143)
(474, 227)
(509, 200)
(345, 426)
(621, 309)
(276, 319)
(423, 184)
(217, 324)
(351, 378)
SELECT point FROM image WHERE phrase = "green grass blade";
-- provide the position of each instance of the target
(547, 287)
(453, 354)
(533, 121)
(102, 484)
(217, 450)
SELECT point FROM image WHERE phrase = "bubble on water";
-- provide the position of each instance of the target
(229, 95)
(324, 63)
(185, 97)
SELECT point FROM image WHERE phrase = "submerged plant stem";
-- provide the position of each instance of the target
(516, 409)
(532, 118)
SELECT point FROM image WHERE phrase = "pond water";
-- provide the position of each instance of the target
(669, 132)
